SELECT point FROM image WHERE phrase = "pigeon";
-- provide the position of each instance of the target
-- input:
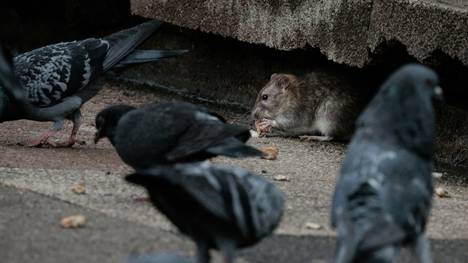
(65, 74)
(170, 132)
(221, 208)
(384, 190)
(159, 258)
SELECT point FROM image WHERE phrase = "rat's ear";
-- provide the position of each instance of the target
(286, 81)
(273, 75)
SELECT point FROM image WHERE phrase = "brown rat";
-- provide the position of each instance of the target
(320, 104)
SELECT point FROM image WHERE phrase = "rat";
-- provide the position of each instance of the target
(320, 106)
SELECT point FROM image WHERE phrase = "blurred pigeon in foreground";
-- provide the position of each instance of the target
(59, 78)
(159, 258)
(221, 208)
(383, 195)
(170, 132)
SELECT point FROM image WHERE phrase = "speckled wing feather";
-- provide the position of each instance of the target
(11, 87)
(54, 72)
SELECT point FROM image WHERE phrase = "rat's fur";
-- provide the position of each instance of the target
(320, 104)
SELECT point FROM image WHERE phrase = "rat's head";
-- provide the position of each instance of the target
(107, 120)
(274, 96)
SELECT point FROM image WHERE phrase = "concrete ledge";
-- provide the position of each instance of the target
(346, 31)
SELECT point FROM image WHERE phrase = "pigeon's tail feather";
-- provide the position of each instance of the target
(124, 42)
(232, 147)
(143, 56)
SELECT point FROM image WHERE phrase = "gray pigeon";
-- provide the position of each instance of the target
(159, 258)
(62, 77)
(220, 208)
(384, 191)
(170, 132)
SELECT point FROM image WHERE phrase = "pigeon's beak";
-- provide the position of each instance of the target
(97, 136)
(438, 93)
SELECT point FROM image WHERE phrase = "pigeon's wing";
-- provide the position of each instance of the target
(54, 72)
(262, 202)
(51, 73)
(208, 134)
(204, 187)
(407, 195)
(376, 201)
(14, 90)
(145, 135)
(195, 179)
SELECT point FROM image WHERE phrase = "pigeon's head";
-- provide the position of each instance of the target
(403, 108)
(107, 120)
(414, 81)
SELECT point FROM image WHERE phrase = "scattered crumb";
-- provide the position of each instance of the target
(281, 178)
(313, 226)
(74, 221)
(442, 193)
(270, 153)
(437, 175)
(254, 134)
(78, 189)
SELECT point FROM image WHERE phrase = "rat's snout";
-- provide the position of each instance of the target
(255, 113)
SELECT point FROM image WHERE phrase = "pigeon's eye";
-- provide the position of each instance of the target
(265, 97)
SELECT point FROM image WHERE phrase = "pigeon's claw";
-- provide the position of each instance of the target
(41, 140)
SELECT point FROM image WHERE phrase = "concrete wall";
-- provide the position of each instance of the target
(346, 31)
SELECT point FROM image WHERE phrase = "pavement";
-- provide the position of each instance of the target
(35, 194)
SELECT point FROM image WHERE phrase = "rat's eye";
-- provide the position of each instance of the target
(265, 97)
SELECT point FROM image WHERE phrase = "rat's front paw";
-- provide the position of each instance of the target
(264, 126)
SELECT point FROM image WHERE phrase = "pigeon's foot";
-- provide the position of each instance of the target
(48, 142)
(62, 144)
(40, 141)
(311, 138)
